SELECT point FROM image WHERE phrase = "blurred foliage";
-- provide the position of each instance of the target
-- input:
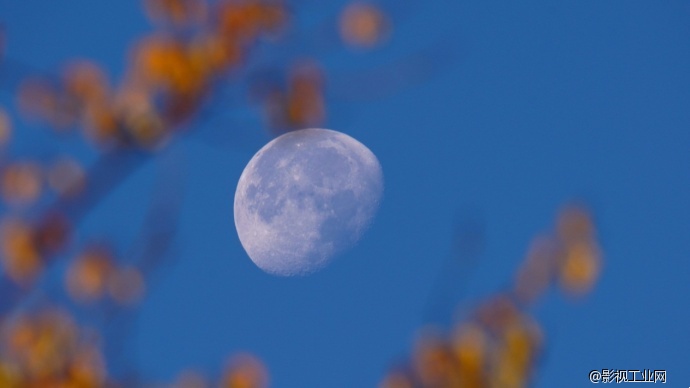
(500, 343)
(194, 48)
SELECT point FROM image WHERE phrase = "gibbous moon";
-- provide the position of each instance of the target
(305, 197)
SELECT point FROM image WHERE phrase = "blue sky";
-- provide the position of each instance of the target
(526, 106)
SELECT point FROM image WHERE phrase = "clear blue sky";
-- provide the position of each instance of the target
(535, 103)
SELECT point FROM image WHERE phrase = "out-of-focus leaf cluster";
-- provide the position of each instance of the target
(48, 349)
(363, 25)
(170, 73)
(500, 343)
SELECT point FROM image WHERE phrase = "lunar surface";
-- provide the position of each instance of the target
(304, 198)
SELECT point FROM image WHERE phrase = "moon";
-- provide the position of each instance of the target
(305, 197)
